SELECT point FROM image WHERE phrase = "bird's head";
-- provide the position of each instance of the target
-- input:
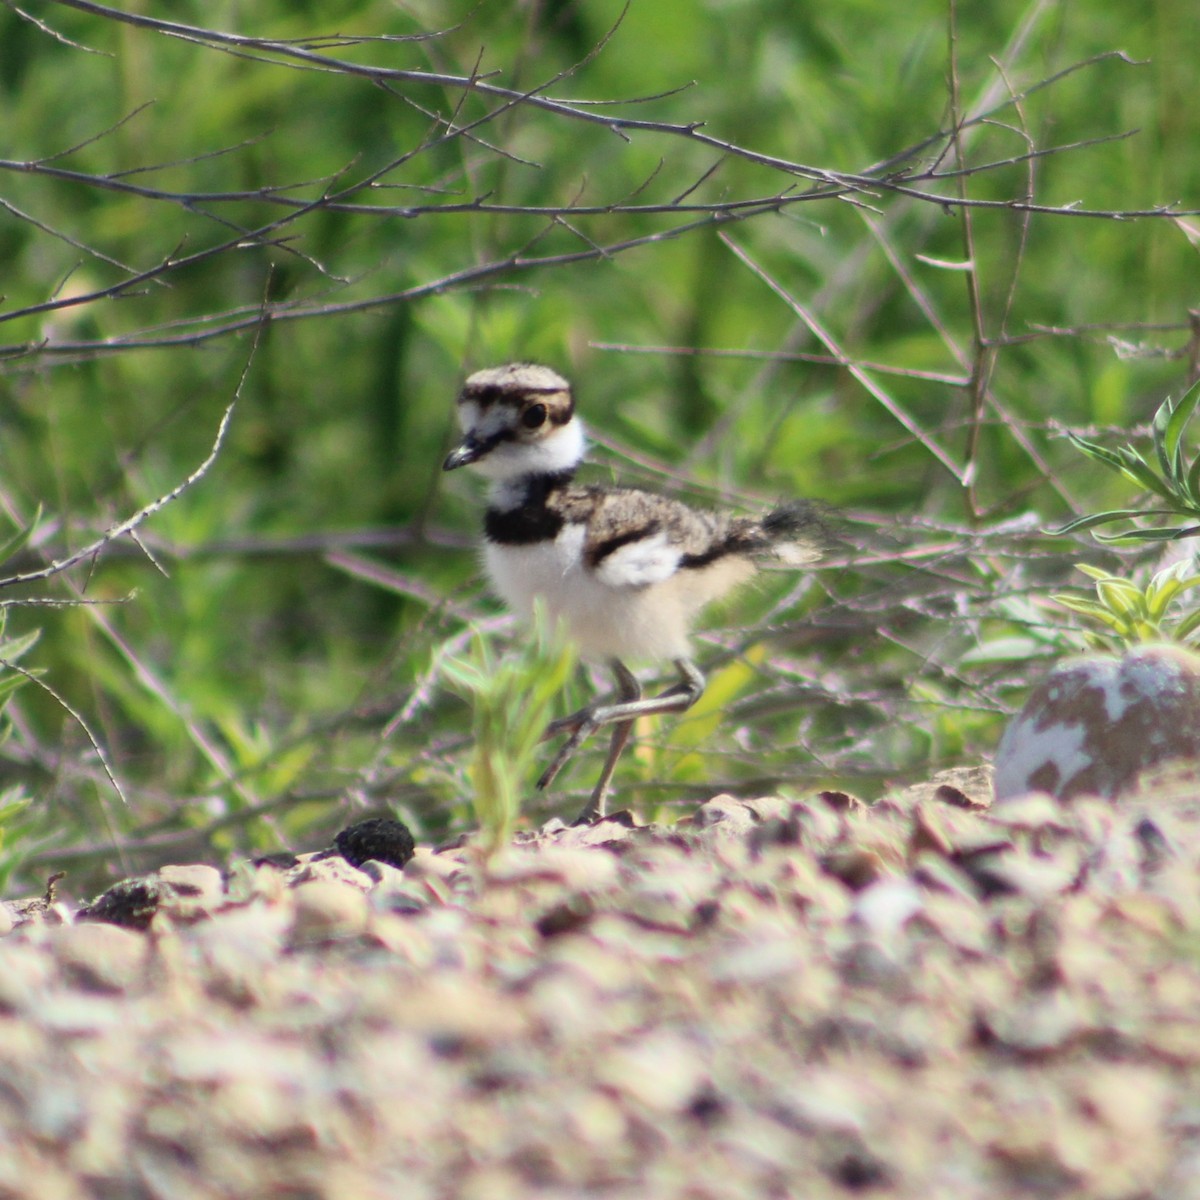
(517, 420)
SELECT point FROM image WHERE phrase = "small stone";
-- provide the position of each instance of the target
(191, 892)
(194, 881)
(431, 864)
(841, 801)
(131, 903)
(660, 1071)
(328, 868)
(769, 808)
(884, 908)
(957, 787)
(101, 957)
(565, 917)
(856, 868)
(946, 793)
(324, 909)
(927, 835)
(1033, 812)
(38, 909)
(727, 812)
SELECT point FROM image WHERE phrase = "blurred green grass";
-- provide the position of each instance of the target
(250, 696)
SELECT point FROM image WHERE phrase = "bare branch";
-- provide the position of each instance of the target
(823, 335)
(132, 522)
(75, 716)
(58, 37)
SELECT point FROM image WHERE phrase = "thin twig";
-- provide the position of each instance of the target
(75, 716)
(132, 522)
(853, 367)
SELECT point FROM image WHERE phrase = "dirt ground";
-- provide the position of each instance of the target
(924, 998)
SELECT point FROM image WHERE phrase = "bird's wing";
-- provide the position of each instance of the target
(634, 538)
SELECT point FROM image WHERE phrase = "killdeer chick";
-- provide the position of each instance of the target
(627, 571)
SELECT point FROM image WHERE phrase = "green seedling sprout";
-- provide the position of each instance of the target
(512, 698)
(1128, 614)
(1176, 482)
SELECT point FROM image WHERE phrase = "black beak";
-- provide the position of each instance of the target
(468, 451)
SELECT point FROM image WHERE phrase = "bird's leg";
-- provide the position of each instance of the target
(630, 691)
(586, 721)
(622, 713)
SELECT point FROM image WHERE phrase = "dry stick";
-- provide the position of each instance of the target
(13, 210)
(160, 690)
(1002, 338)
(982, 357)
(923, 301)
(245, 317)
(777, 356)
(849, 268)
(75, 715)
(571, 109)
(131, 523)
(128, 526)
(576, 110)
(262, 236)
(823, 335)
(925, 304)
(834, 187)
(258, 237)
(840, 183)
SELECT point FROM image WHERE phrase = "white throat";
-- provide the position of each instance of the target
(510, 463)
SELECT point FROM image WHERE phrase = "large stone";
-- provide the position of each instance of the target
(1096, 722)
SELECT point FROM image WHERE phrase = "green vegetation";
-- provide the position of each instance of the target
(512, 700)
(1128, 614)
(1174, 487)
(1125, 612)
(783, 250)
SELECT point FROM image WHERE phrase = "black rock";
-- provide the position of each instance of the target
(378, 838)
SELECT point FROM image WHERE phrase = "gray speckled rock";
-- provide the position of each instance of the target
(1096, 722)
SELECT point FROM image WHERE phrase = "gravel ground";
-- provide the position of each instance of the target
(922, 998)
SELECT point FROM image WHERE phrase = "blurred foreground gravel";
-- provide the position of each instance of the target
(773, 999)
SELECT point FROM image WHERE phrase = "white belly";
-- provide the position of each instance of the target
(647, 621)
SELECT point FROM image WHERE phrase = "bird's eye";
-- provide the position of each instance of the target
(534, 416)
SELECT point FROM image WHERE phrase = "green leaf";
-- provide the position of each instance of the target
(1192, 483)
(1002, 650)
(10, 681)
(1120, 596)
(1128, 462)
(13, 649)
(19, 539)
(1158, 430)
(1187, 626)
(1094, 450)
(1135, 469)
(1116, 514)
(1173, 426)
(1134, 536)
(1086, 607)
(1165, 586)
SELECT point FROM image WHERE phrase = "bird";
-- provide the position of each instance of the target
(627, 571)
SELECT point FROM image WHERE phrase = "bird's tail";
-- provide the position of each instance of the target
(793, 534)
